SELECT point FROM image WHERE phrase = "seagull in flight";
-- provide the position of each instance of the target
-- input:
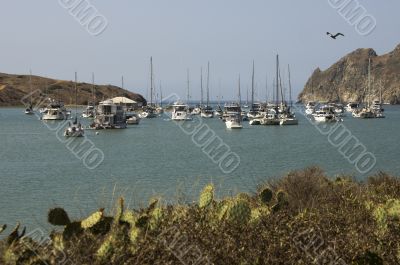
(334, 36)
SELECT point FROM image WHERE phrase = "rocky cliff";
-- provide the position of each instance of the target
(15, 87)
(347, 80)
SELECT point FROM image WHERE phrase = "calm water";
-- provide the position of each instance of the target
(157, 158)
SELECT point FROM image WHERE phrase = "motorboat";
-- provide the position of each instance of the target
(56, 111)
(234, 121)
(180, 112)
(207, 112)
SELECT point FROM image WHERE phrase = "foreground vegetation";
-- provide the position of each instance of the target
(302, 218)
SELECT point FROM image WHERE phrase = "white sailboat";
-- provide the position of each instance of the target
(149, 111)
(287, 117)
(75, 129)
(90, 111)
(29, 109)
(207, 111)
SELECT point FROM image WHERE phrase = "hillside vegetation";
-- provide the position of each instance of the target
(302, 218)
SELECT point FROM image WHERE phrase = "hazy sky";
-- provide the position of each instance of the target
(182, 34)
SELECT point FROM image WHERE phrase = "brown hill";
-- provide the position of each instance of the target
(347, 79)
(15, 87)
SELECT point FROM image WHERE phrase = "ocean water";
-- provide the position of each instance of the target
(157, 158)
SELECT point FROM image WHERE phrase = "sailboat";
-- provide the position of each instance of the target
(287, 117)
(90, 111)
(29, 109)
(149, 111)
(368, 112)
(246, 105)
(207, 111)
(197, 109)
(234, 119)
(75, 129)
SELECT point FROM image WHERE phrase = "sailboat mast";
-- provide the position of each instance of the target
(208, 83)
(290, 88)
(266, 88)
(151, 81)
(201, 86)
(369, 81)
(93, 94)
(30, 87)
(188, 86)
(76, 97)
(239, 94)
(161, 98)
(277, 79)
(252, 88)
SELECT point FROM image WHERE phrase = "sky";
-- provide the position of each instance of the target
(185, 34)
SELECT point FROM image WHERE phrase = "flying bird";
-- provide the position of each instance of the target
(334, 36)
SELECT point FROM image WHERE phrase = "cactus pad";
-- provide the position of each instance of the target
(58, 216)
(266, 195)
(92, 220)
(206, 196)
(239, 212)
(4, 227)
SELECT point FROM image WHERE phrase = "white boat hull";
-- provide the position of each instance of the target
(289, 121)
(233, 125)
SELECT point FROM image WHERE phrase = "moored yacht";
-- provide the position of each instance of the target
(310, 107)
(325, 114)
(180, 112)
(55, 111)
(75, 129)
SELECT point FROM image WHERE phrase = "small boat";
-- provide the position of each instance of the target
(56, 111)
(234, 118)
(75, 129)
(352, 106)
(234, 122)
(180, 112)
(196, 110)
(89, 112)
(29, 110)
(132, 119)
(310, 107)
(325, 114)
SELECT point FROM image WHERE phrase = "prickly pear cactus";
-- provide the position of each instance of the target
(71, 230)
(258, 213)
(393, 209)
(92, 220)
(206, 196)
(282, 201)
(119, 212)
(266, 195)
(380, 216)
(106, 249)
(58, 216)
(238, 212)
(129, 217)
(155, 218)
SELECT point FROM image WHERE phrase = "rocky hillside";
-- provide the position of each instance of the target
(347, 80)
(15, 87)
